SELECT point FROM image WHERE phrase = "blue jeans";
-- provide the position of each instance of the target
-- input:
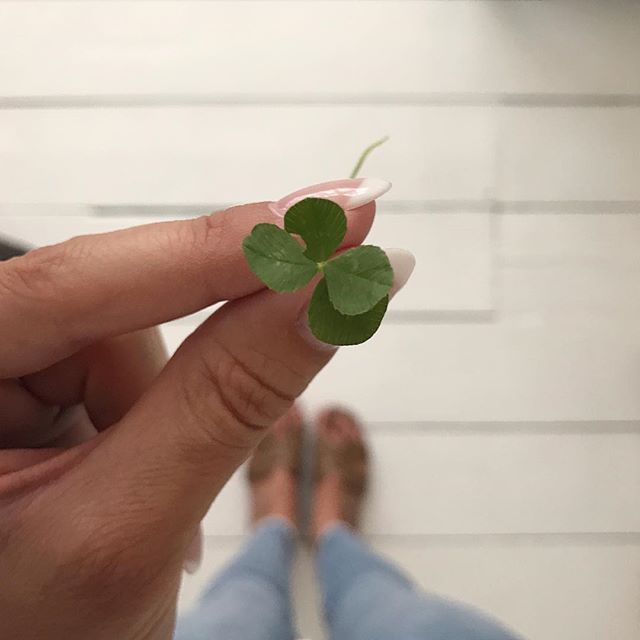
(365, 597)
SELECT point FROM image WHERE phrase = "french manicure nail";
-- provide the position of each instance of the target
(403, 263)
(348, 193)
(193, 558)
(190, 566)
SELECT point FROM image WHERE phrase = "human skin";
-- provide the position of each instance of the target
(110, 455)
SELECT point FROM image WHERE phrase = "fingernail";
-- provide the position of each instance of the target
(348, 193)
(190, 566)
(403, 263)
(307, 334)
(193, 558)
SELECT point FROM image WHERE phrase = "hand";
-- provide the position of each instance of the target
(109, 456)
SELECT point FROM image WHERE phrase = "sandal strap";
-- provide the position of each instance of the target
(273, 452)
(349, 461)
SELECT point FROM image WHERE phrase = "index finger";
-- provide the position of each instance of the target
(56, 300)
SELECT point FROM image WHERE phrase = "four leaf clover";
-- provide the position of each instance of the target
(349, 302)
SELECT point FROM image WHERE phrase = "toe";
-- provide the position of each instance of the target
(290, 422)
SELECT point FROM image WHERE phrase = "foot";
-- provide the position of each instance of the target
(342, 471)
(274, 470)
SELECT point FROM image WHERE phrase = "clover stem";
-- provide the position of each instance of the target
(365, 154)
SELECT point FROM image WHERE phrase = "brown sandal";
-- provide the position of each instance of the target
(277, 450)
(349, 459)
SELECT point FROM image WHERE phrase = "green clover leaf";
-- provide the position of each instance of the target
(358, 279)
(332, 327)
(277, 258)
(349, 302)
(320, 223)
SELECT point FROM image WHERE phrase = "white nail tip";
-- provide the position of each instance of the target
(403, 263)
(191, 566)
(368, 190)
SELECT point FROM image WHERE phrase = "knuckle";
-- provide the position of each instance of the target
(214, 228)
(43, 274)
(31, 275)
(230, 400)
(42, 283)
(203, 234)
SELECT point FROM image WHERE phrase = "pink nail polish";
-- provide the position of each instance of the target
(348, 193)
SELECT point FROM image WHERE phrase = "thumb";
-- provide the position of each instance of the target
(158, 470)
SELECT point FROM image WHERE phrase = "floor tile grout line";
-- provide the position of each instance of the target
(444, 99)
(508, 427)
(497, 207)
